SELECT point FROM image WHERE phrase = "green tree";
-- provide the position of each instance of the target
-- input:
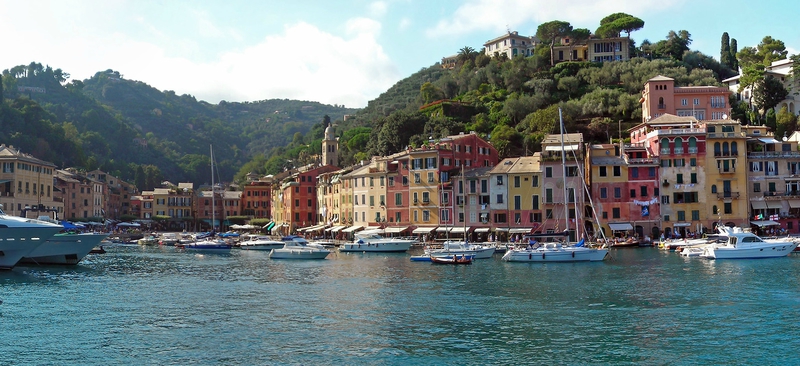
(749, 56)
(752, 73)
(430, 92)
(725, 56)
(550, 31)
(768, 92)
(770, 50)
(786, 122)
(734, 50)
(578, 36)
(506, 140)
(465, 54)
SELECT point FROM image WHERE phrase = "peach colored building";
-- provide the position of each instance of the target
(661, 96)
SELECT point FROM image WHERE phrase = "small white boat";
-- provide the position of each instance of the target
(745, 245)
(261, 243)
(211, 245)
(368, 242)
(169, 239)
(460, 248)
(295, 247)
(693, 251)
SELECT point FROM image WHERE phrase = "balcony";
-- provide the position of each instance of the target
(693, 150)
(778, 196)
(726, 154)
(725, 135)
(729, 170)
(662, 106)
(676, 131)
(644, 161)
(678, 150)
(728, 195)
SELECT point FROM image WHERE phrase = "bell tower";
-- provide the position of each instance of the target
(330, 148)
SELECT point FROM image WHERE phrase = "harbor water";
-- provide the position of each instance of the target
(150, 305)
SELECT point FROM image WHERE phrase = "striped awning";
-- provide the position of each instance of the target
(423, 230)
(395, 230)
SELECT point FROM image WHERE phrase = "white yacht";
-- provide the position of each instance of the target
(65, 248)
(370, 242)
(451, 247)
(741, 245)
(20, 236)
(295, 247)
(261, 243)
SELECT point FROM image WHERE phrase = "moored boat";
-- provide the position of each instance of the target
(295, 247)
(20, 236)
(261, 243)
(370, 242)
(746, 245)
(453, 259)
(451, 247)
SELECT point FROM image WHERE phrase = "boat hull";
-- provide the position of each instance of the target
(66, 249)
(772, 250)
(264, 247)
(483, 253)
(298, 254)
(18, 242)
(384, 247)
(563, 255)
(208, 247)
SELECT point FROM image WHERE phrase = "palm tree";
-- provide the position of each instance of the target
(466, 53)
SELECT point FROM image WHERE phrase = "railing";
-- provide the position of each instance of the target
(722, 195)
(725, 135)
(773, 154)
(729, 170)
(777, 196)
(665, 151)
(662, 106)
(693, 150)
(718, 154)
(676, 131)
(648, 161)
(678, 150)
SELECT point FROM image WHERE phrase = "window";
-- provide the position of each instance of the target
(617, 192)
(430, 177)
(695, 215)
(416, 197)
(633, 193)
(680, 179)
(634, 172)
(756, 187)
(516, 181)
(416, 178)
(693, 178)
(728, 207)
(681, 215)
(372, 200)
(603, 192)
(426, 215)
(535, 200)
(617, 171)
(499, 198)
(426, 197)
(643, 190)
(548, 195)
(517, 202)
(372, 181)
(615, 213)
(603, 172)
(499, 180)
(535, 181)
(665, 200)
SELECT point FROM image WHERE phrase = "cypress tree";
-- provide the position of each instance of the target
(734, 50)
(725, 51)
(1, 88)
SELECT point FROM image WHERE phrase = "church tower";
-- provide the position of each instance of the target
(330, 148)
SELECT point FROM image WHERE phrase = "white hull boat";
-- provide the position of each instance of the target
(68, 249)
(295, 247)
(20, 236)
(745, 245)
(460, 248)
(554, 252)
(261, 243)
(209, 246)
(376, 243)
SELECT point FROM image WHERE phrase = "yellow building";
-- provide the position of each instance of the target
(424, 187)
(725, 174)
(26, 182)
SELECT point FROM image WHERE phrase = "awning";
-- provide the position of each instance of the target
(335, 228)
(520, 230)
(314, 228)
(352, 228)
(759, 205)
(682, 224)
(307, 228)
(774, 204)
(459, 230)
(443, 229)
(482, 230)
(503, 229)
(566, 148)
(794, 203)
(395, 230)
(621, 226)
(423, 230)
(768, 140)
(763, 223)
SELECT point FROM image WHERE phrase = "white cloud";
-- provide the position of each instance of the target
(404, 23)
(498, 15)
(378, 9)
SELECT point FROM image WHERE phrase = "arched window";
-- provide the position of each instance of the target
(717, 151)
(692, 145)
(734, 148)
(679, 145)
(713, 188)
(661, 103)
(714, 210)
(664, 146)
(725, 150)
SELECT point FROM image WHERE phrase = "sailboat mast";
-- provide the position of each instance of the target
(564, 172)
(213, 201)
(464, 202)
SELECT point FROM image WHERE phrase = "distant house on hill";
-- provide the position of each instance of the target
(511, 44)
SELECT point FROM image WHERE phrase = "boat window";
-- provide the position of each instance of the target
(733, 241)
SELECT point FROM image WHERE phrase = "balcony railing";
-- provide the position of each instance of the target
(645, 161)
(730, 170)
(777, 196)
(722, 195)
(662, 106)
(723, 154)
(725, 135)
(693, 150)
(678, 150)
(773, 154)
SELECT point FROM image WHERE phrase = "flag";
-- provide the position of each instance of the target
(645, 211)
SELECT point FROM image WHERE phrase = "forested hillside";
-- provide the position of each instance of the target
(140, 133)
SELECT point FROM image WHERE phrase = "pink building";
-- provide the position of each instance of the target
(661, 96)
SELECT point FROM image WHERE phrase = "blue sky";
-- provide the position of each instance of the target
(329, 51)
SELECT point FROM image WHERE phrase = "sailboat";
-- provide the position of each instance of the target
(210, 243)
(557, 251)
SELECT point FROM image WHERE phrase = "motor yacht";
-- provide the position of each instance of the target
(741, 244)
(295, 247)
(371, 242)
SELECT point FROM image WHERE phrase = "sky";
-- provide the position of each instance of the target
(334, 52)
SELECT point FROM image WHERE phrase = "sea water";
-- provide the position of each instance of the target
(149, 305)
